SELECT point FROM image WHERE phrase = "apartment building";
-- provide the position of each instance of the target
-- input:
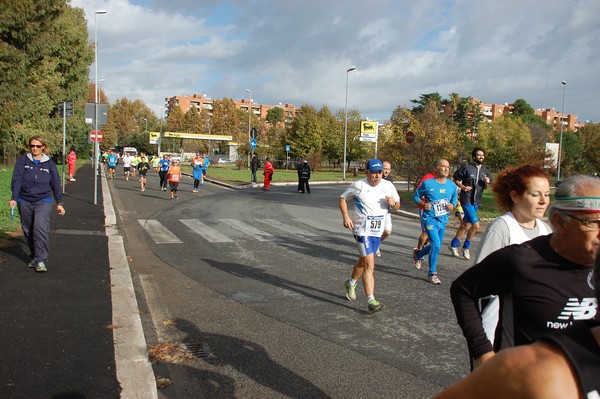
(552, 117)
(202, 102)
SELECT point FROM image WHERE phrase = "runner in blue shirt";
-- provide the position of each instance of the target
(112, 163)
(163, 172)
(440, 200)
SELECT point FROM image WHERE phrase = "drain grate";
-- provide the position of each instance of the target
(198, 349)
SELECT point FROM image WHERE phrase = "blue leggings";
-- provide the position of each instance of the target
(435, 229)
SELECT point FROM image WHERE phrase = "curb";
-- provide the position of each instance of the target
(134, 371)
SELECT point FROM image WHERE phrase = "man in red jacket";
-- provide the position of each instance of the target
(268, 173)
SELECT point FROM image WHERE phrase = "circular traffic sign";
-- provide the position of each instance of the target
(96, 135)
(410, 137)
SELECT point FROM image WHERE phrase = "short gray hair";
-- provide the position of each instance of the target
(572, 187)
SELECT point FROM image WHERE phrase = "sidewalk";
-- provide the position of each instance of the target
(57, 327)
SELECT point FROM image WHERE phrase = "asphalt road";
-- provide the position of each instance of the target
(255, 279)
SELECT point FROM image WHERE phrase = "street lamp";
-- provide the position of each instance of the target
(562, 111)
(249, 121)
(96, 104)
(346, 122)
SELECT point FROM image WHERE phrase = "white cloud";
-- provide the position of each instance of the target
(298, 52)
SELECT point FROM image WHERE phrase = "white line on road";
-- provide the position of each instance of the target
(159, 233)
(210, 234)
(251, 231)
(288, 228)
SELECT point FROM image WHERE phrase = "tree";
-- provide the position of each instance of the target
(435, 138)
(44, 60)
(522, 108)
(425, 99)
(508, 141)
(589, 137)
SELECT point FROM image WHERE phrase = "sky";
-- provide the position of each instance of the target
(298, 52)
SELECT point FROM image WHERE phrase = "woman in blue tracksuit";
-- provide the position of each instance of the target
(35, 181)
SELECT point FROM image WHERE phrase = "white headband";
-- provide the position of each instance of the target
(586, 204)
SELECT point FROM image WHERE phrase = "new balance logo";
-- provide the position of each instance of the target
(584, 310)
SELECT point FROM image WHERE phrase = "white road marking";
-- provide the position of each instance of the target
(159, 233)
(210, 234)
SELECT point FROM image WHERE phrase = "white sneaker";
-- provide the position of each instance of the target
(378, 253)
(467, 254)
(433, 279)
(454, 251)
(72, 179)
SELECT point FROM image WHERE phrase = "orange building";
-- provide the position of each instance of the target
(201, 102)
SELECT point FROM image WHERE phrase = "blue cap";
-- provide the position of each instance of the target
(374, 165)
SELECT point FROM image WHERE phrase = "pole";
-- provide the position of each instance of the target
(346, 123)
(95, 143)
(562, 111)
(64, 143)
(249, 121)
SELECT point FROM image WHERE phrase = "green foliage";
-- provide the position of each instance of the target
(507, 141)
(522, 108)
(275, 115)
(44, 60)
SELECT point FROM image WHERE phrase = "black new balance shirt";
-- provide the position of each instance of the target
(540, 292)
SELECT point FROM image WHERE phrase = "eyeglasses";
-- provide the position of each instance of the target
(35, 146)
(591, 225)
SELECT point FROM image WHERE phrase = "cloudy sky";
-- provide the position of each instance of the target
(298, 52)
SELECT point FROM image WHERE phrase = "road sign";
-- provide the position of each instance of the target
(410, 137)
(369, 127)
(96, 135)
(287, 148)
(368, 139)
(253, 144)
(253, 133)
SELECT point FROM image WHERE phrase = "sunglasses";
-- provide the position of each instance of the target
(35, 146)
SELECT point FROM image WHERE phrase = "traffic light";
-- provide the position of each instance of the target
(65, 109)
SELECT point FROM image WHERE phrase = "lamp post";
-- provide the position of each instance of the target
(249, 121)
(346, 122)
(96, 103)
(562, 111)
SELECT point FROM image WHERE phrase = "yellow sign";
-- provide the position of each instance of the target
(180, 135)
(154, 136)
(368, 126)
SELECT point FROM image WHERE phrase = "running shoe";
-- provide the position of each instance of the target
(434, 279)
(467, 254)
(350, 291)
(375, 306)
(72, 179)
(41, 267)
(454, 251)
(416, 259)
(31, 263)
(378, 253)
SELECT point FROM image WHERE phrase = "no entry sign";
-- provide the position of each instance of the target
(96, 135)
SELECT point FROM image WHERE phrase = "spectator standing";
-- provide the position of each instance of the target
(543, 284)
(303, 177)
(373, 198)
(268, 174)
(254, 165)
(35, 181)
(72, 162)
(472, 179)
(438, 198)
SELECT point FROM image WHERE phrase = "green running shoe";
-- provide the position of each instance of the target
(350, 291)
(375, 306)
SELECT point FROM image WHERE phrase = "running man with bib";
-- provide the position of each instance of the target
(174, 178)
(373, 199)
(439, 200)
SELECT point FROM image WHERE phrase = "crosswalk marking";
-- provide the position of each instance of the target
(159, 233)
(250, 230)
(288, 228)
(210, 234)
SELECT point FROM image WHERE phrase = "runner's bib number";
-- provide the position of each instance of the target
(440, 207)
(374, 226)
(175, 177)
